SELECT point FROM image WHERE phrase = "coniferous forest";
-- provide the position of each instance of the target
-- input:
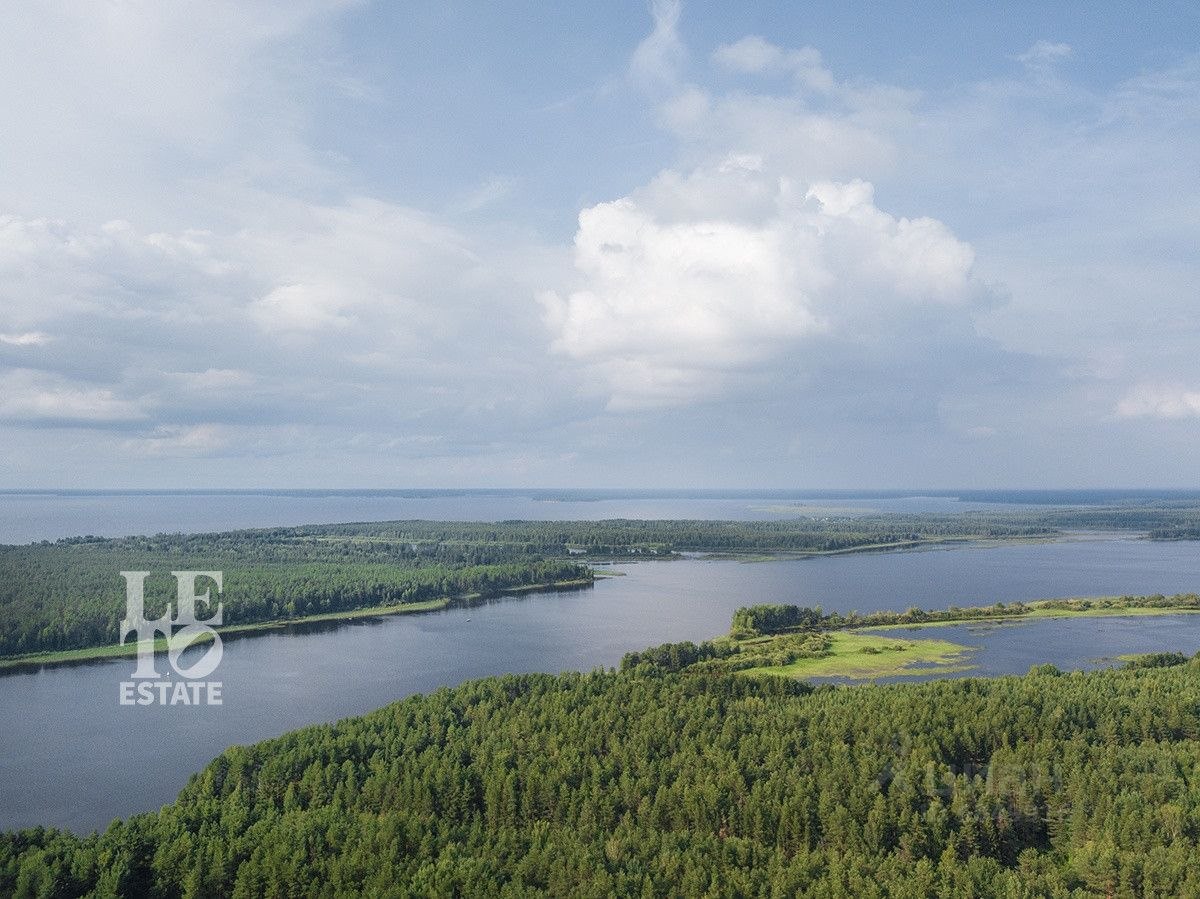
(69, 594)
(699, 782)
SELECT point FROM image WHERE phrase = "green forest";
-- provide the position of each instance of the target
(68, 594)
(636, 537)
(761, 620)
(685, 780)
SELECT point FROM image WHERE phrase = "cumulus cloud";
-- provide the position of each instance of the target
(696, 279)
(303, 307)
(1160, 401)
(300, 268)
(760, 264)
(53, 272)
(917, 260)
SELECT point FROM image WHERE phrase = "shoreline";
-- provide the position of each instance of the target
(978, 541)
(859, 651)
(1037, 610)
(87, 654)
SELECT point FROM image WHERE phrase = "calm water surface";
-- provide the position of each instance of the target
(29, 516)
(1070, 643)
(71, 756)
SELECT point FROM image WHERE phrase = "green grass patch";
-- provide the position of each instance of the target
(860, 656)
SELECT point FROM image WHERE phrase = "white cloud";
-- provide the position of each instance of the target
(212, 379)
(28, 338)
(1045, 53)
(755, 55)
(363, 261)
(1160, 401)
(919, 259)
(361, 312)
(693, 281)
(493, 190)
(31, 396)
(852, 140)
(52, 272)
(302, 307)
(657, 59)
(750, 54)
(123, 104)
(300, 267)
(182, 440)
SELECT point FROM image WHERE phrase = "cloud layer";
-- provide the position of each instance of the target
(217, 265)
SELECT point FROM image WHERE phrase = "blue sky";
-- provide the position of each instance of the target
(329, 243)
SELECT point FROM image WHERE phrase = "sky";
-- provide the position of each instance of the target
(328, 243)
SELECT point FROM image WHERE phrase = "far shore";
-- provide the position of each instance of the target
(1039, 610)
(975, 542)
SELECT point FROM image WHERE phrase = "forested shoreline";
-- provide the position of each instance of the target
(687, 772)
(769, 638)
(774, 619)
(695, 782)
(68, 595)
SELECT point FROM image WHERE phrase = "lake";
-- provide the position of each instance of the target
(27, 516)
(71, 756)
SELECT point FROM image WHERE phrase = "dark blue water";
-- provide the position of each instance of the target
(70, 755)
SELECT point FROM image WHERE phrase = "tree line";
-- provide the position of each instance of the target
(764, 620)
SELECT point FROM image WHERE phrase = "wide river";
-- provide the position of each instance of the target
(71, 756)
